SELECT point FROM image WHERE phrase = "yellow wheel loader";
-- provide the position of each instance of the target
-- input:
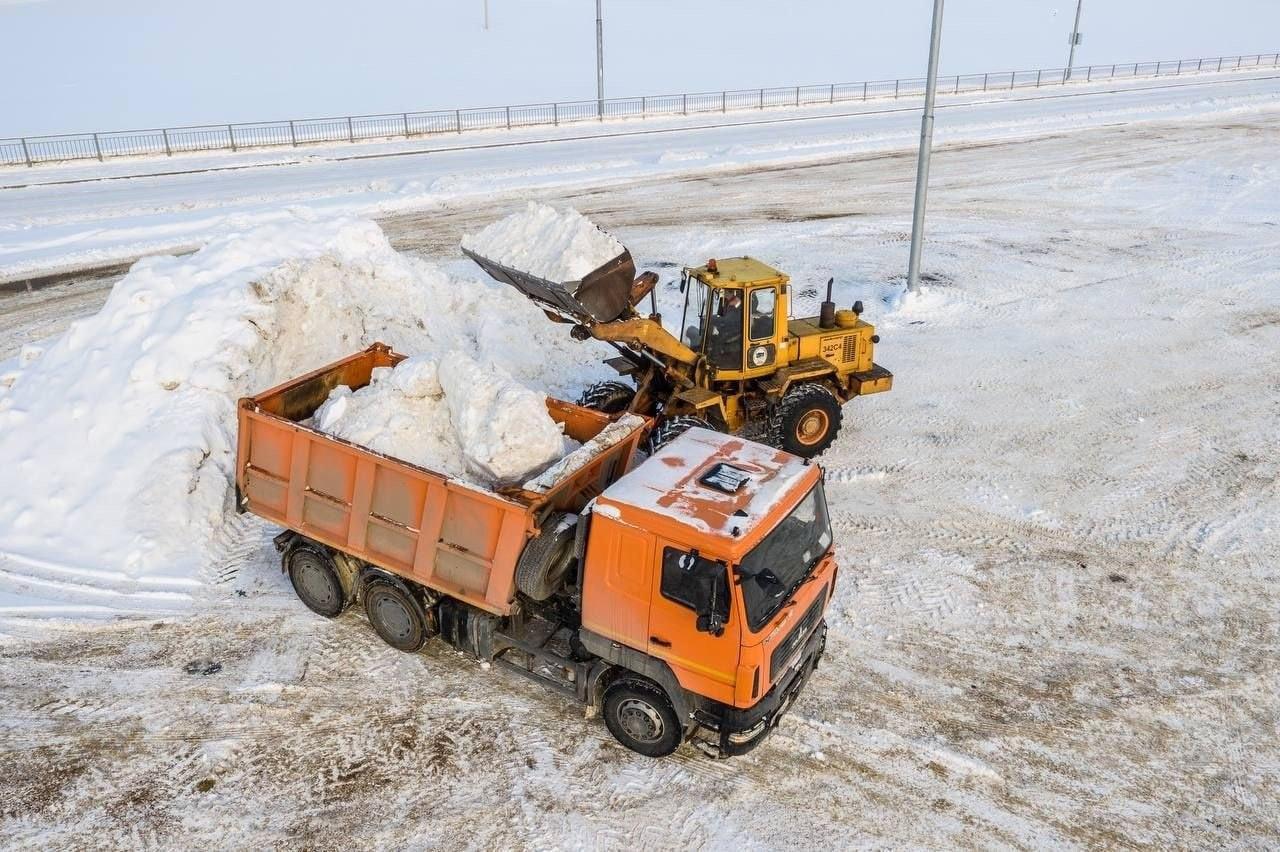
(740, 364)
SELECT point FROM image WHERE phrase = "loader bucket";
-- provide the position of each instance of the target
(601, 296)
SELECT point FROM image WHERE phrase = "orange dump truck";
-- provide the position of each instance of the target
(682, 597)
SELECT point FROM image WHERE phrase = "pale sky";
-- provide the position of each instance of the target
(78, 65)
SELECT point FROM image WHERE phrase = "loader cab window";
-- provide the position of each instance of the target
(694, 321)
(724, 345)
(763, 303)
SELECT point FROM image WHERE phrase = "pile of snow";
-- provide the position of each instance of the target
(119, 437)
(558, 245)
(458, 417)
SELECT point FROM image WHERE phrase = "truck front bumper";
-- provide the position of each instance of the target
(739, 731)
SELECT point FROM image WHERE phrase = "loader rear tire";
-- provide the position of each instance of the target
(395, 616)
(640, 716)
(315, 580)
(607, 397)
(806, 421)
(671, 428)
(544, 565)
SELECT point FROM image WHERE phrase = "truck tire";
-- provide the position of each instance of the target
(806, 421)
(395, 616)
(607, 397)
(315, 580)
(546, 559)
(671, 428)
(640, 716)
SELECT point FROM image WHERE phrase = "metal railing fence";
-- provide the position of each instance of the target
(31, 150)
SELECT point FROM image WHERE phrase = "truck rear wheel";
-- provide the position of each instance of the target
(546, 559)
(607, 397)
(395, 617)
(806, 421)
(640, 716)
(315, 580)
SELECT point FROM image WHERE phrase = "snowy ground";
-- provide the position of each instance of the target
(1056, 624)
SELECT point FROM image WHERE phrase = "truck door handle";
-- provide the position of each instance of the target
(658, 641)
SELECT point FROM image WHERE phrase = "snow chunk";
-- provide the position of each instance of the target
(458, 417)
(558, 245)
(576, 460)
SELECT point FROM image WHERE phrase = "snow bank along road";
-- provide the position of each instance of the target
(1056, 623)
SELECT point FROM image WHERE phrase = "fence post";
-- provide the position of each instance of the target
(168, 151)
(1113, 72)
(351, 135)
(1158, 64)
(644, 106)
(97, 147)
(895, 89)
(1199, 65)
(1179, 66)
(797, 96)
(832, 98)
(293, 134)
(405, 117)
(1135, 70)
(1219, 63)
(1088, 77)
(957, 89)
(864, 90)
(555, 113)
(1039, 71)
(722, 102)
(1238, 61)
(1013, 78)
(509, 118)
(457, 120)
(26, 152)
(984, 81)
(684, 104)
(231, 134)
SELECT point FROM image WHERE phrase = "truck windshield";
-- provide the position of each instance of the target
(779, 564)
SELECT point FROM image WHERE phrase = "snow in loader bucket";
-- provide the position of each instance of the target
(602, 295)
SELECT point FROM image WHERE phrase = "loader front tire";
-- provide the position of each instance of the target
(315, 580)
(640, 716)
(544, 565)
(806, 421)
(671, 428)
(607, 397)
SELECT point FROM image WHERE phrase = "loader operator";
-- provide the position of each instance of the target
(726, 331)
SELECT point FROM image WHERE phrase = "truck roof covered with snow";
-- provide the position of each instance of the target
(712, 484)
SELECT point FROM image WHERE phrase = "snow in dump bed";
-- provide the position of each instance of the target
(119, 436)
(458, 417)
(558, 245)
(576, 460)
(670, 482)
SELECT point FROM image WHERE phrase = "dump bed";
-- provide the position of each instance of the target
(448, 535)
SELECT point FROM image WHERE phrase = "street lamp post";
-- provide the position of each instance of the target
(1075, 39)
(926, 148)
(599, 62)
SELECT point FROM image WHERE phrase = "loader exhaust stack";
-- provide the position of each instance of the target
(827, 316)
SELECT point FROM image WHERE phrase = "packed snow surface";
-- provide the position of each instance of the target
(558, 245)
(460, 417)
(120, 435)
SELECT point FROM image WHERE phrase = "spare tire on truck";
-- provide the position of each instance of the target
(544, 565)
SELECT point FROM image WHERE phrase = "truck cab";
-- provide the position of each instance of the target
(708, 569)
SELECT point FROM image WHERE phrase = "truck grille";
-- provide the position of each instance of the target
(790, 646)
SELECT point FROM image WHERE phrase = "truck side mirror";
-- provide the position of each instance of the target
(712, 597)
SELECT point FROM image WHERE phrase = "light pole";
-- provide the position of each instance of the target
(599, 62)
(1075, 39)
(926, 148)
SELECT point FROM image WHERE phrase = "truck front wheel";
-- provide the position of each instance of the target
(806, 421)
(315, 579)
(395, 617)
(640, 716)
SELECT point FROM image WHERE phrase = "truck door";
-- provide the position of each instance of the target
(702, 661)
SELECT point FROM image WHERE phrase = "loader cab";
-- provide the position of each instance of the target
(735, 315)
